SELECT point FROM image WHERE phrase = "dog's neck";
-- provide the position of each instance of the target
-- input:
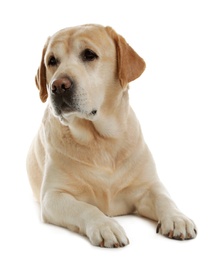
(85, 131)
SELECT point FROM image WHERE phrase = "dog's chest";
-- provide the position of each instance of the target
(100, 174)
(106, 188)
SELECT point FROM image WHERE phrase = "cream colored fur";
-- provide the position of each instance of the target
(85, 168)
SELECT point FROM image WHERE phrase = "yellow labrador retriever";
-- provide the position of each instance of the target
(89, 161)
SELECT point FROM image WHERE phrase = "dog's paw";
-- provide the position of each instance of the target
(177, 227)
(107, 233)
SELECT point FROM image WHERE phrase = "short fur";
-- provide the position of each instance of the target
(89, 161)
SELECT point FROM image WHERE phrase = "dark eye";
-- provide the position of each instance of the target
(52, 61)
(89, 55)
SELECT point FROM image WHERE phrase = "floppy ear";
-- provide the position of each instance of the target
(130, 64)
(40, 78)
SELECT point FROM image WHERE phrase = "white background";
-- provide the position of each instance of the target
(175, 100)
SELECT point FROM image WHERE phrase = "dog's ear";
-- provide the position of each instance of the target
(40, 78)
(130, 64)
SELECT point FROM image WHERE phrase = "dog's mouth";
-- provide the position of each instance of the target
(67, 103)
(64, 108)
(64, 111)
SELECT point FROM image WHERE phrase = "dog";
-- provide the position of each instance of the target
(88, 161)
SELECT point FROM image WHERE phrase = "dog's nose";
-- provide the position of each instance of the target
(60, 85)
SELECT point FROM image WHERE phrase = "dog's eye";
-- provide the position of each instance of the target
(89, 55)
(52, 61)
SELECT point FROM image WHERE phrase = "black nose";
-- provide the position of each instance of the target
(60, 85)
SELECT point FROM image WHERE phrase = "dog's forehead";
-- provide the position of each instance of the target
(95, 35)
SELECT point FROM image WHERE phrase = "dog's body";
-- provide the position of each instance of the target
(89, 160)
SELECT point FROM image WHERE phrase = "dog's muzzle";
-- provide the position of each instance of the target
(62, 91)
(64, 99)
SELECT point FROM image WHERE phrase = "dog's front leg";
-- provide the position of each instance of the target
(64, 210)
(157, 204)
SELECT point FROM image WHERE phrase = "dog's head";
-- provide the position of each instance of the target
(82, 67)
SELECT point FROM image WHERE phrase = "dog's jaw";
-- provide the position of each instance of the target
(67, 117)
(105, 121)
(86, 128)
